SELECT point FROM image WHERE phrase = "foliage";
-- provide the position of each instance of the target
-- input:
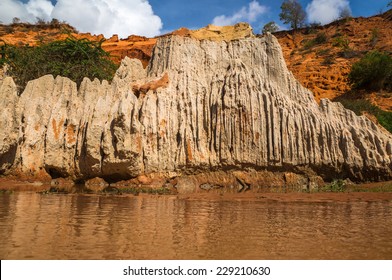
(375, 36)
(70, 58)
(312, 27)
(373, 71)
(323, 52)
(3, 47)
(17, 24)
(321, 38)
(361, 105)
(335, 186)
(40, 21)
(342, 42)
(270, 27)
(292, 13)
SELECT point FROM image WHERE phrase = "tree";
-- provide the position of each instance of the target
(270, 27)
(292, 13)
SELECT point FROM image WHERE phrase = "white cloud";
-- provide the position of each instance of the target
(248, 14)
(325, 11)
(40, 8)
(107, 17)
(13, 8)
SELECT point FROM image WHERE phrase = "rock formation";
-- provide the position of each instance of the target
(321, 57)
(218, 33)
(199, 106)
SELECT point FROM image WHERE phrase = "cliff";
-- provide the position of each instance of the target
(321, 57)
(199, 106)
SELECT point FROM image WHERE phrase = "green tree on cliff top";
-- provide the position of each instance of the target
(293, 14)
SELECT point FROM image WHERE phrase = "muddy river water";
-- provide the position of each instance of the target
(36, 226)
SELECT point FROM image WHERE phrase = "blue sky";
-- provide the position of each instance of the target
(195, 14)
(154, 17)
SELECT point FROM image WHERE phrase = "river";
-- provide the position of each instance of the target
(75, 226)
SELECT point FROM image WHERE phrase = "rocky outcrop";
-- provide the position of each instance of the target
(202, 106)
(218, 33)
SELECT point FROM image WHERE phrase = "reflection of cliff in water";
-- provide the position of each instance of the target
(36, 226)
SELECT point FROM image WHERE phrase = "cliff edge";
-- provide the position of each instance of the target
(199, 106)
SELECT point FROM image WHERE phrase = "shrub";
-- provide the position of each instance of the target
(374, 38)
(70, 58)
(323, 52)
(270, 27)
(320, 39)
(3, 47)
(312, 27)
(373, 71)
(341, 42)
(335, 186)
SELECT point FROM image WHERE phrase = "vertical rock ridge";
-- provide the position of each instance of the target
(201, 105)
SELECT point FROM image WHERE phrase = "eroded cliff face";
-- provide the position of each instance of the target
(199, 106)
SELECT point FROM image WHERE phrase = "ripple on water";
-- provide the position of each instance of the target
(34, 226)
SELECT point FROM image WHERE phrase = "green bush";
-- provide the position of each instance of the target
(373, 71)
(3, 47)
(321, 38)
(335, 186)
(341, 42)
(70, 58)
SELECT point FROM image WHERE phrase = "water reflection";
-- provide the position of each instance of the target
(36, 226)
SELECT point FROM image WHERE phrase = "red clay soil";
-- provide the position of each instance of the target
(323, 67)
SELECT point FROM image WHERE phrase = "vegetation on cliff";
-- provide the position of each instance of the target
(360, 106)
(348, 60)
(72, 58)
(293, 14)
(373, 72)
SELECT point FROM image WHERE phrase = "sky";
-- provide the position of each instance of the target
(154, 17)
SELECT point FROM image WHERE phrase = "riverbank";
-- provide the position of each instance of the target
(380, 191)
